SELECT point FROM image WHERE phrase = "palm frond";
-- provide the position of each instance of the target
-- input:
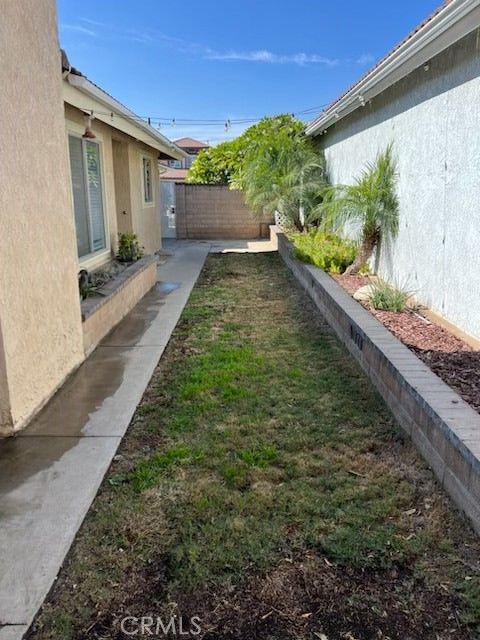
(371, 201)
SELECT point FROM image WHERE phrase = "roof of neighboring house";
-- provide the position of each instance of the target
(109, 110)
(191, 143)
(179, 175)
(446, 25)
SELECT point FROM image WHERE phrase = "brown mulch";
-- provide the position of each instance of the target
(452, 359)
(351, 283)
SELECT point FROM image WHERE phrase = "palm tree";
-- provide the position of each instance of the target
(288, 177)
(371, 202)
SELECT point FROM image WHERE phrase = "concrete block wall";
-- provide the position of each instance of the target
(207, 212)
(443, 427)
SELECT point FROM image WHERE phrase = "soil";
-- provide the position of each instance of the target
(452, 359)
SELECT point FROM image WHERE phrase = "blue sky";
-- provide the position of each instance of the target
(213, 60)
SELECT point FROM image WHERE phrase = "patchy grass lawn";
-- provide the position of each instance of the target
(264, 488)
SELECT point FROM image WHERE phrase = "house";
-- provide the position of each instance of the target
(77, 167)
(423, 97)
(178, 169)
(114, 165)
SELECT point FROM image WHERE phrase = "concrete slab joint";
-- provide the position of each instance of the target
(443, 427)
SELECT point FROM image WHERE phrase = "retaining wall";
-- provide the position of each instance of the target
(444, 428)
(101, 314)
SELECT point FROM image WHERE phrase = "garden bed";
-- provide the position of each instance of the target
(117, 297)
(451, 358)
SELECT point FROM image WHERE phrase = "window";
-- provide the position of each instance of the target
(147, 181)
(87, 195)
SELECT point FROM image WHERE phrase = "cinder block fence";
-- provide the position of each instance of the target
(208, 212)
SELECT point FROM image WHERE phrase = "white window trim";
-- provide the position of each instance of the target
(96, 258)
(151, 203)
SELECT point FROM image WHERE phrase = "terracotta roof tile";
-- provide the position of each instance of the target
(190, 143)
(179, 175)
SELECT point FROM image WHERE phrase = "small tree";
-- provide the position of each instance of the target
(216, 165)
(224, 163)
(372, 202)
(288, 176)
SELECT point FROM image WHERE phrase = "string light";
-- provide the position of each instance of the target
(161, 122)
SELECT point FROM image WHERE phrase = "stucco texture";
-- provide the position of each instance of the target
(122, 169)
(41, 338)
(433, 120)
(145, 217)
(75, 123)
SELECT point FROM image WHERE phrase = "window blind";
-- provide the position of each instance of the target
(87, 195)
(80, 203)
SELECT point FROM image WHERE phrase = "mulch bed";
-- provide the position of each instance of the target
(452, 359)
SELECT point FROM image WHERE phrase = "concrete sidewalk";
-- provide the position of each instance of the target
(50, 473)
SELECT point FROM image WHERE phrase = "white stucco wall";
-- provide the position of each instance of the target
(433, 119)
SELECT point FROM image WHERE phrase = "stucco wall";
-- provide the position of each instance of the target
(39, 302)
(146, 217)
(74, 123)
(122, 168)
(121, 174)
(433, 119)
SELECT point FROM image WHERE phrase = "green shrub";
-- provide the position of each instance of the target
(129, 248)
(325, 250)
(386, 297)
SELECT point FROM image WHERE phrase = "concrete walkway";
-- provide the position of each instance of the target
(50, 473)
(232, 246)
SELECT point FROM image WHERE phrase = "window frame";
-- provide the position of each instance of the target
(100, 255)
(147, 203)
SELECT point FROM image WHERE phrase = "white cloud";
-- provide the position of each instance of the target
(365, 59)
(79, 29)
(153, 37)
(263, 55)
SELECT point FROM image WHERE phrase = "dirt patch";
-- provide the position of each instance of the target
(452, 359)
(309, 597)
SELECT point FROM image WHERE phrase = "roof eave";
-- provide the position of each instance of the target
(154, 138)
(452, 23)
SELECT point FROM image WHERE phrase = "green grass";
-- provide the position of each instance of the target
(257, 440)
